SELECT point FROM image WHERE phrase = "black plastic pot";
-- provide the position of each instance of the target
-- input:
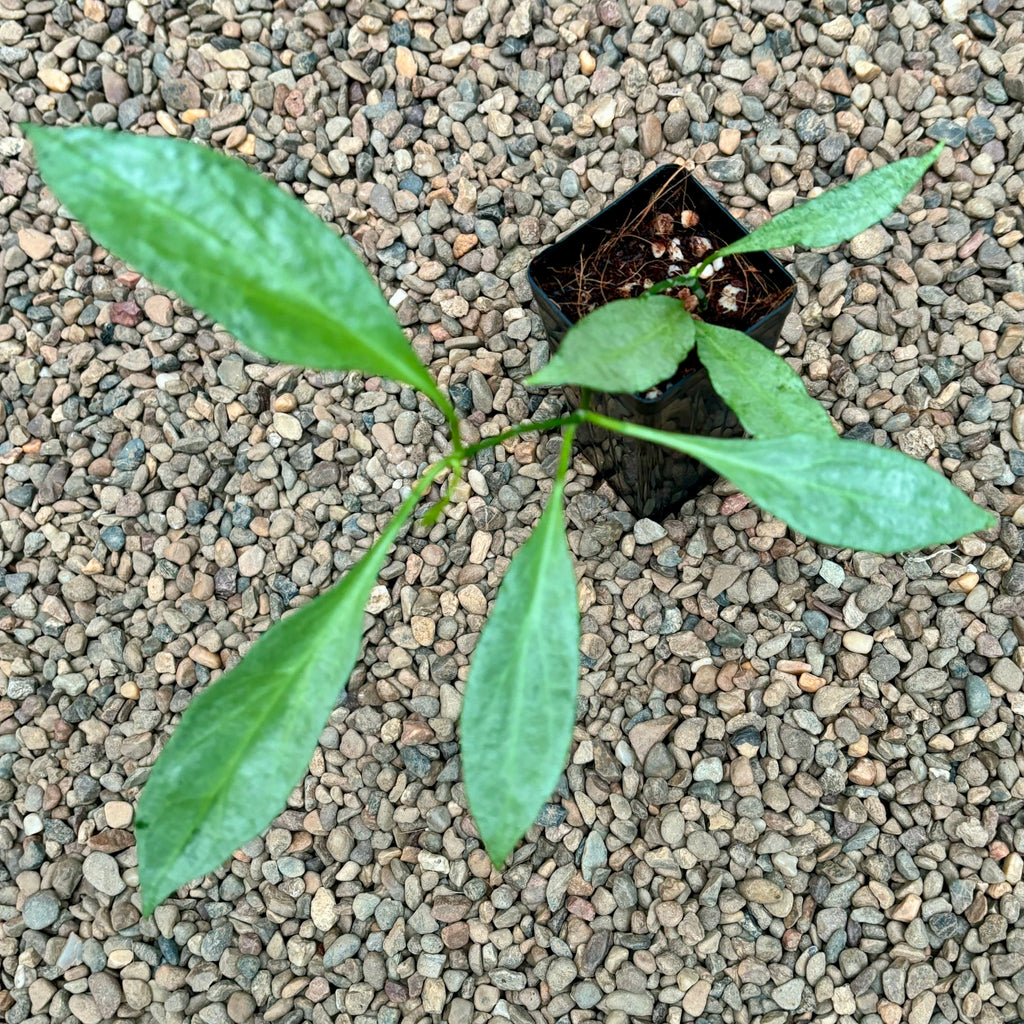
(652, 480)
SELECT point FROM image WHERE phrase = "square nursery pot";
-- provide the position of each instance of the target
(616, 254)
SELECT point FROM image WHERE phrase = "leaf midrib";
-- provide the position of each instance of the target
(696, 448)
(300, 303)
(809, 234)
(637, 341)
(766, 396)
(531, 615)
(848, 493)
(217, 793)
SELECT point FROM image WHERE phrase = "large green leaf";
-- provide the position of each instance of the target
(628, 345)
(839, 492)
(232, 244)
(520, 702)
(841, 212)
(767, 396)
(245, 742)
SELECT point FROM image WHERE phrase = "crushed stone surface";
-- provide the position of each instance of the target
(796, 785)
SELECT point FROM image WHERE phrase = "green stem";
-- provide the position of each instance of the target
(704, 264)
(457, 458)
(565, 458)
(523, 428)
(602, 421)
(419, 489)
(690, 280)
(433, 513)
(450, 415)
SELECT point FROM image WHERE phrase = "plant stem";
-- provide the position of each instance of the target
(433, 513)
(419, 490)
(452, 418)
(690, 281)
(601, 421)
(523, 428)
(565, 457)
(704, 264)
(457, 458)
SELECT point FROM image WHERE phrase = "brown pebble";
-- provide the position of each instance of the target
(908, 909)
(241, 1007)
(405, 62)
(810, 683)
(54, 79)
(795, 667)
(463, 244)
(159, 309)
(733, 504)
(111, 840)
(433, 554)
(965, 584)
(415, 732)
(863, 772)
(34, 244)
(126, 313)
(203, 657)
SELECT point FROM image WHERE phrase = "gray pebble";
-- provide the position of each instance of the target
(41, 910)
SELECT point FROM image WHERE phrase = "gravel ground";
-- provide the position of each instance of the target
(796, 789)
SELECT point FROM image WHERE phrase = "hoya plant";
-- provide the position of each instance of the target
(237, 247)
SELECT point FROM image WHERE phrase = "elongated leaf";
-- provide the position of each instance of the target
(841, 212)
(840, 492)
(628, 345)
(767, 396)
(520, 701)
(245, 742)
(232, 244)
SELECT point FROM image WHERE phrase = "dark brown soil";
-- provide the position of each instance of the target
(663, 240)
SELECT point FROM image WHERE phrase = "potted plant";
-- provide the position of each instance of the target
(235, 246)
(647, 235)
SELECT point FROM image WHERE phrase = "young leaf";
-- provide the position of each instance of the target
(520, 701)
(232, 244)
(841, 212)
(767, 396)
(246, 741)
(627, 345)
(839, 492)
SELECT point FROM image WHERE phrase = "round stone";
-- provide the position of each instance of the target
(102, 873)
(587, 994)
(41, 910)
(561, 974)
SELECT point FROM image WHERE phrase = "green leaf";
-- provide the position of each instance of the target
(839, 492)
(246, 741)
(767, 396)
(232, 244)
(520, 702)
(626, 346)
(841, 212)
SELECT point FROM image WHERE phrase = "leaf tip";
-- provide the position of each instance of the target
(498, 852)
